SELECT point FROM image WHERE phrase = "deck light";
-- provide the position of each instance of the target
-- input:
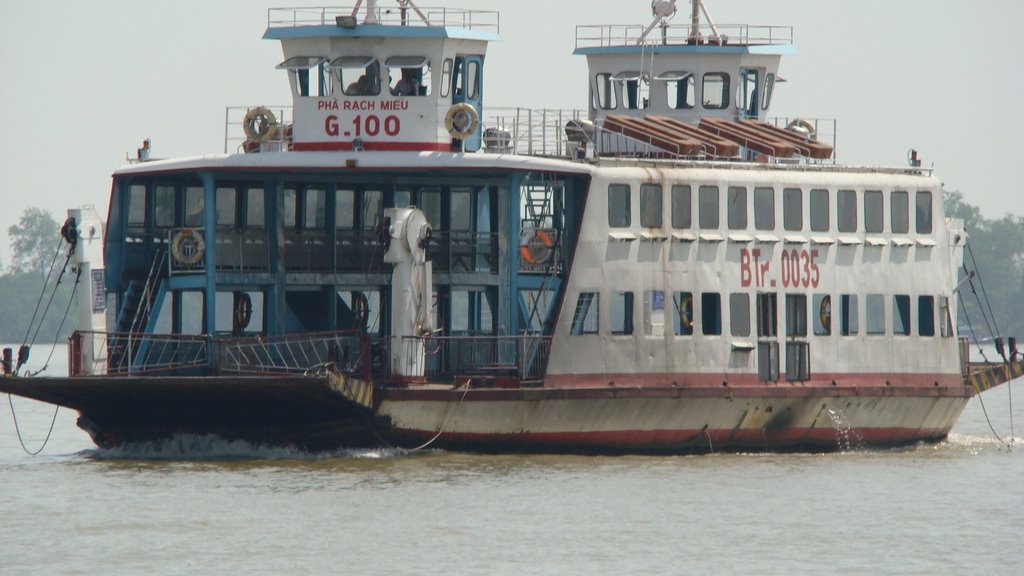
(345, 21)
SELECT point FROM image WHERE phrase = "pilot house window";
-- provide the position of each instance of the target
(650, 205)
(680, 90)
(409, 75)
(605, 92)
(715, 91)
(618, 205)
(358, 75)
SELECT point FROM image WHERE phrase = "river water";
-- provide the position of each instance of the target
(202, 507)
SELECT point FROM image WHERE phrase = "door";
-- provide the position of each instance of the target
(468, 87)
(747, 98)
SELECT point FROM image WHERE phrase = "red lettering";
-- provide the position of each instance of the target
(806, 280)
(745, 275)
(785, 269)
(372, 125)
(331, 125)
(816, 274)
(392, 126)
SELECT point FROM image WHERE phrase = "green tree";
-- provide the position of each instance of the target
(997, 247)
(34, 239)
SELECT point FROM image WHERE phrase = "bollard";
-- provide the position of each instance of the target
(8, 361)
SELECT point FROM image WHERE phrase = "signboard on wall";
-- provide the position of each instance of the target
(99, 291)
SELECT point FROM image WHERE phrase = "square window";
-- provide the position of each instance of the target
(711, 313)
(622, 313)
(924, 212)
(708, 205)
(793, 209)
(739, 314)
(901, 315)
(737, 208)
(899, 212)
(874, 307)
(650, 205)
(796, 315)
(764, 208)
(715, 91)
(873, 211)
(846, 211)
(682, 304)
(926, 315)
(585, 319)
(821, 313)
(848, 314)
(819, 211)
(681, 209)
(618, 206)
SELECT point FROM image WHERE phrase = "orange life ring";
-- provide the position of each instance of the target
(536, 247)
(825, 313)
(686, 312)
(243, 310)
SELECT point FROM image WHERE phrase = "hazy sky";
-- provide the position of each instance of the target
(83, 83)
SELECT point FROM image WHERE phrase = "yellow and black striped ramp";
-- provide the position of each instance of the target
(995, 375)
(356, 390)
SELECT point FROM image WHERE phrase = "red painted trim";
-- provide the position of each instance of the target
(688, 440)
(387, 146)
(690, 379)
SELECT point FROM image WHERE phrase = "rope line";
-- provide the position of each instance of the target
(42, 292)
(17, 429)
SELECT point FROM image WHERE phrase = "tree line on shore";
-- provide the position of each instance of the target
(991, 304)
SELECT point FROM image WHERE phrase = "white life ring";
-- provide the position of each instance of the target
(461, 120)
(536, 246)
(188, 247)
(260, 124)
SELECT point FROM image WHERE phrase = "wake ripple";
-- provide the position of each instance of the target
(209, 447)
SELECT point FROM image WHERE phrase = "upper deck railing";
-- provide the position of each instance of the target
(484, 20)
(619, 35)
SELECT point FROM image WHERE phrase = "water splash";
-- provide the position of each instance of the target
(214, 448)
(847, 438)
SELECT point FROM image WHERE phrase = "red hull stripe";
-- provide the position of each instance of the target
(696, 440)
(387, 146)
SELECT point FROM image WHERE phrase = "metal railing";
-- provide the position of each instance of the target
(348, 352)
(609, 35)
(521, 357)
(488, 20)
(234, 133)
(527, 131)
(125, 354)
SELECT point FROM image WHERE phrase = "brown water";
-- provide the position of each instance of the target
(207, 507)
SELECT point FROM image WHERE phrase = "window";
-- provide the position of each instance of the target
(796, 315)
(746, 93)
(357, 75)
(225, 318)
(585, 319)
(409, 76)
(873, 212)
(358, 310)
(622, 313)
(764, 208)
(446, 78)
(682, 303)
(848, 315)
(618, 205)
(819, 211)
(373, 208)
(715, 91)
(192, 307)
(307, 75)
(711, 313)
(792, 209)
(681, 210)
(798, 361)
(225, 199)
(289, 207)
(768, 361)
(739, 314)
(315, 209)
(901, 315)
(470, 312)
(945, 316)
(163, 206)
(635, 89)
(430, 204)
(605, 91)
(195, 202)
(899, 212)
(846, 211)
(137, 205)
(769, 87)
(737, 208)
(345, 209)
(874, 308)
(255, 208)
(708, 207)
(462, 209)
(924, 212)
(821, 314)
(767, 315)
(472, 79)
(680, 90)
(926, 316)
(650, 205)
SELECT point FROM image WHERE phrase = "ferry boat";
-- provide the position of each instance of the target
(390, 261)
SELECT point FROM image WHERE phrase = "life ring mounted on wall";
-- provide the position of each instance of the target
(686, 312)
(188, 247)
(461, 121)
(243, 310)
(537, 246)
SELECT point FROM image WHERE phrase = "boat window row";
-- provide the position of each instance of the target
(816, 210)
(365, 75)
(704, 313)
(632, 90)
